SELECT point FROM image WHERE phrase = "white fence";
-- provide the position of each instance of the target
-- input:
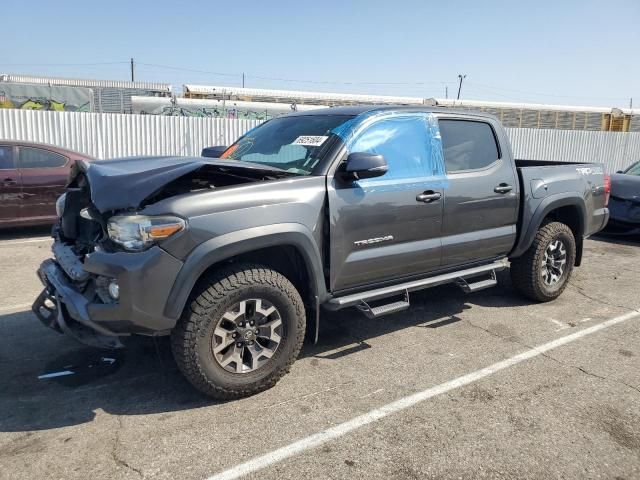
(108, 135)
(616, 150)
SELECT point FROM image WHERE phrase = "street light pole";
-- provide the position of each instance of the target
(461, 77)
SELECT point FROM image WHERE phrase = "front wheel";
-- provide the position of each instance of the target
(543, 271)
(241, 332)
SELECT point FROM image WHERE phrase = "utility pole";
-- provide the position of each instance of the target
(446, 91)
(461, 77)
(132, 73)
(242, 79)
(631, 102)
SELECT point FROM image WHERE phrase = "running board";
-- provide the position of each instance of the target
(387, 309)
(470, 287)
(356, 299)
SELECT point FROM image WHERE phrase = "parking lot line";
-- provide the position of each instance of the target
(342, 429)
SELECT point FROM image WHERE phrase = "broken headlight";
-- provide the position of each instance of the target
(139, 232)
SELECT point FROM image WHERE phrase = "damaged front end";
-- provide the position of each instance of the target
(109, 276)
(69, 288)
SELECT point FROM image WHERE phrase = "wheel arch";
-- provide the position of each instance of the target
(568, 208)
(287, 248)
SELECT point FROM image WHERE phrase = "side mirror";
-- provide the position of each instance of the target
(213, 152)
(361, 165)
(619, 171)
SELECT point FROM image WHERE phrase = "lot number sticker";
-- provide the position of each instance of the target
(310, 140)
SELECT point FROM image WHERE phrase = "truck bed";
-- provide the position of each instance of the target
(545, 182)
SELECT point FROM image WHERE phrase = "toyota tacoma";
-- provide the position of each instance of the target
(234, 257)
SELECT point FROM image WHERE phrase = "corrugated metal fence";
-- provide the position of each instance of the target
(617, 150)
(108, 135)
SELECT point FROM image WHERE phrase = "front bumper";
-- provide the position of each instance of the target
(145, 281)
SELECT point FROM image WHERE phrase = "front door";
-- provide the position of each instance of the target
(10, 186)
(384, 228)
(44, 174)
(481, 200)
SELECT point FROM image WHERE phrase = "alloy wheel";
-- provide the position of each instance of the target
(553, 262)
(247, 335)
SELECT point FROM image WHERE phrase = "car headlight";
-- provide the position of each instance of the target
(60, 204)
(139, 232)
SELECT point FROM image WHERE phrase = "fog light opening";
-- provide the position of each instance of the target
(114, 290)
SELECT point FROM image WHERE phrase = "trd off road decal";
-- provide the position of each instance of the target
(590, 170)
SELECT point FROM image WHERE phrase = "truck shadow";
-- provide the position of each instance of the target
(632, 240)
(25, 233)
(39, 393)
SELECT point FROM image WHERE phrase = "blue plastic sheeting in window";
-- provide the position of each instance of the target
(409, 141)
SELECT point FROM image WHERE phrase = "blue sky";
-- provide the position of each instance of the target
(565, 52)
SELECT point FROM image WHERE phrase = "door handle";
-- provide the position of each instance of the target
(428, 196)
(9, 182)
(503, 188)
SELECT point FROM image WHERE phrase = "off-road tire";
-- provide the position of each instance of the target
(526, 270)
(191, 338)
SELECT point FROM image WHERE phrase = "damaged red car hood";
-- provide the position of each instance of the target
(127, 182)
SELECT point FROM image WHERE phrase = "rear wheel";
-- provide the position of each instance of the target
(543, 271)
(241, 332)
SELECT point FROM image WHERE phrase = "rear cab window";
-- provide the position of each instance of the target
(468, 145)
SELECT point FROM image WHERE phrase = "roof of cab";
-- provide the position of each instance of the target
(360, 109)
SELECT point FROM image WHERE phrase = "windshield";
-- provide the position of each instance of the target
(291, 143)
(634, 169)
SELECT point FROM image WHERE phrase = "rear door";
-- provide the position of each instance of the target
(481, 200)
(10, 185)
(379, 228)
(44, 174)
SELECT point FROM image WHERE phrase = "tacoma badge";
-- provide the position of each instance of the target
(371, 241)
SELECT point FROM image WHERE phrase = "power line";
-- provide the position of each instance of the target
(292, 80)
(193, 70)
(488, 88)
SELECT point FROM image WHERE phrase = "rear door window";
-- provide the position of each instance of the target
(29, 157)
(6, 157)
(468, 145)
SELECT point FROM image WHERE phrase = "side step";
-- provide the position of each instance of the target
(357, 299)
(386, 309)
(470, 287)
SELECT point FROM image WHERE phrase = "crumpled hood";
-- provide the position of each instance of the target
(127, 182)
(626, 187)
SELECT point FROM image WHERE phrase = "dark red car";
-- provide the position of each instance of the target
(32, 176)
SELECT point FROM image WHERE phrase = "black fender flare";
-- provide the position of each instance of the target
(235, 243)
(549, 204)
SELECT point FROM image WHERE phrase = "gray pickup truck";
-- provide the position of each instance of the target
(341, 207)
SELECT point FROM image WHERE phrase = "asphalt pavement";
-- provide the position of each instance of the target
(486, 385)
